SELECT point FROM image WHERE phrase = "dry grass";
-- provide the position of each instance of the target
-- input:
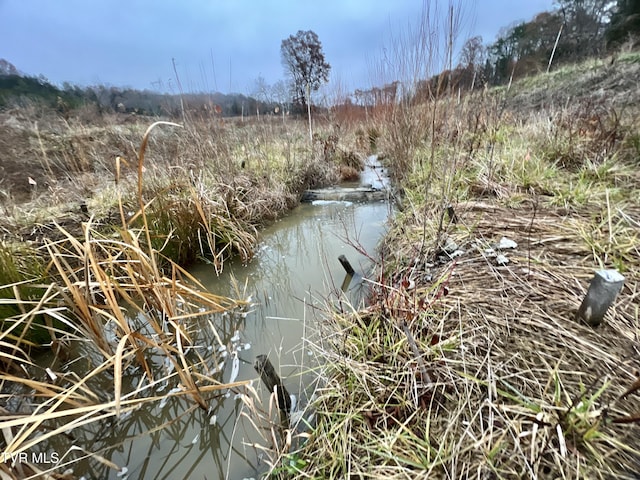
(506, 384)
(93, 262)
(462, 367)
(111, 292)
(245, 172)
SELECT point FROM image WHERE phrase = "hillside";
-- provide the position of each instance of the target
(612, 81)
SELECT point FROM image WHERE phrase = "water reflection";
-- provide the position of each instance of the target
(296, 267)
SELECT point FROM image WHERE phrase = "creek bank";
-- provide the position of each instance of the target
(292, 273)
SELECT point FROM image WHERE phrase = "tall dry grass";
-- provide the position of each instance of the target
(120, 295)
(463, 366)
(246, 173)
(95, 258)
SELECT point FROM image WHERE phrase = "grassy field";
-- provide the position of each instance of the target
(464, 365)
(468, 361)
(101, 217)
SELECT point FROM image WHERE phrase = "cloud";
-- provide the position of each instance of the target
(133, 42)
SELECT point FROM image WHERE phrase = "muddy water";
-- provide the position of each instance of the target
(295, 269)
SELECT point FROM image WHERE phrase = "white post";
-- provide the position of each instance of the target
(604, 287)
(555, 45)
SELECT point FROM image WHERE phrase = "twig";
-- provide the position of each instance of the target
(416, 353)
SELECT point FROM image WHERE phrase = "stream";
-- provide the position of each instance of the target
(295, 269)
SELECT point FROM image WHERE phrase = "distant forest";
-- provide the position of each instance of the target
(17, 89)
(575, 30)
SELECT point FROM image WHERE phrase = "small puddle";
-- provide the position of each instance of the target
(295, 267)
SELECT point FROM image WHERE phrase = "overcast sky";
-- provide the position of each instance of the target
(218, 45)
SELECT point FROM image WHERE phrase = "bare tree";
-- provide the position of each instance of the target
(261, 92)
(281, 92)
(472, 53)
(586, 22)
(472, 58)
(304, 63)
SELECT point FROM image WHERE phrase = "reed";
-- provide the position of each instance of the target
(117, 293)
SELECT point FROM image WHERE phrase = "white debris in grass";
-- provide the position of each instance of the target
(502, 260)
(506, 243)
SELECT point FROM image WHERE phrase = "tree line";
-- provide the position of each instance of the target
(17, 89)
(302, 58)
(575, 30)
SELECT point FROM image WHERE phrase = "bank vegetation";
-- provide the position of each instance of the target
(469, 360)
(100, 220)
